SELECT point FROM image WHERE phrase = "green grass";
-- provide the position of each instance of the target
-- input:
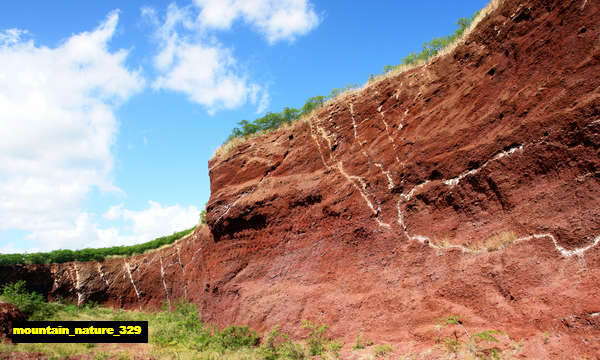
(173, 333)
(176, 332)
(90, 254)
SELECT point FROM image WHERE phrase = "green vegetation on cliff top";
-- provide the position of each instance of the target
(90, 254)
(272, 121)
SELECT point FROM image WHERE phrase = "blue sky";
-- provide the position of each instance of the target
(111, 109)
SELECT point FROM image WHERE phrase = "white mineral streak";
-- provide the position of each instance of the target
(360, 184)
(131, 279)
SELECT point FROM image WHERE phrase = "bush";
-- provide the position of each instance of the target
(277, 345)
(433, 47)
(473, 342)
(235, 337)
(29, 303)
(316, 341)
(274, 120)
(288, 115)
(335, 347)
(181, 325)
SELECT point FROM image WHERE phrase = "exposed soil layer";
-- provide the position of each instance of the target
(9, 314)
(468, 187)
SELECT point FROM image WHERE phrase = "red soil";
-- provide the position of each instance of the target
(8, 315)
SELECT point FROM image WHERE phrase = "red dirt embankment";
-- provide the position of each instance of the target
(468, 187)
(9, 314)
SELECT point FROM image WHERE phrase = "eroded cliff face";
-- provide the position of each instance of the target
(468, 187)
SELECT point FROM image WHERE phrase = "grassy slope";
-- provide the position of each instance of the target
(176, 333)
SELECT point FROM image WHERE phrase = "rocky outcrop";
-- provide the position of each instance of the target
(468, 187)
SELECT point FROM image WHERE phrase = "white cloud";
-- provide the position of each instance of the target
(58, 126)
(156, 220)
(207, 75)
(11, 36)
(145, 225)
(276, 19)
(114, 212)
(263, 103)
(189, 63)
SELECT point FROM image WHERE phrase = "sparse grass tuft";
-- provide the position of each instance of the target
(360, 342)
(382, 350)
(470, 345)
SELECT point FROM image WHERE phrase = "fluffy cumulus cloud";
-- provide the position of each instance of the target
(191, 61)
(206, 74)
(276, 19)
(141, 226)
(58, 125)
(154, 221)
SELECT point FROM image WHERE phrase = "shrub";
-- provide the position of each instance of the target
(29, 303)
(236, 337)
(316, 341)
(433, 47)
(292, 351)
(335, 347)
(472, 343)
(272, 121)
(181, 325)
(278, 345)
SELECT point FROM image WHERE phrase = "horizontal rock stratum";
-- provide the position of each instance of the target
(468, 186)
